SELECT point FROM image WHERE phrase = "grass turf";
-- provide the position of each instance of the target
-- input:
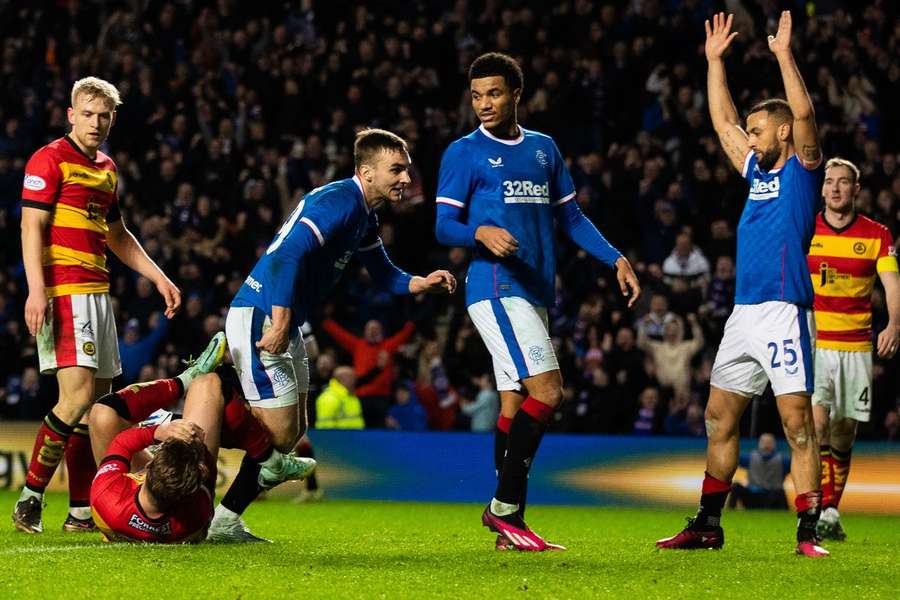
(340, 549)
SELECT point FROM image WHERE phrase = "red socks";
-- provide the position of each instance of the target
(143, 399)
(80, 466)
(48, 451)
(245, 432)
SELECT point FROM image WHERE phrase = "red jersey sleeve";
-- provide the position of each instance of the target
(127, 443)
(40, 189)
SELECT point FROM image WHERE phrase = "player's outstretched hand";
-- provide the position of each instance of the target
(718, 36)
(498, 240)
(781, 41)
(888, 341)
(628, 281)
(36, 312)
(171, 294)
(181, 429)
(435, 282)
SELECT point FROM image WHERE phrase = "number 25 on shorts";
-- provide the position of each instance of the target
(788, 354)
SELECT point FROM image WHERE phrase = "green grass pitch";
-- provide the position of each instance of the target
(340, 549)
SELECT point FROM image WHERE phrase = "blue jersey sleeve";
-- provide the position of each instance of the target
(581, 231)
(313, 222)
(450, 229)
(456, 177)
(563, 186)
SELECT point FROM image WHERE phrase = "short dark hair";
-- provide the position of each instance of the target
(371, 141)
(495, 64)
(774, 106)
(177, 471)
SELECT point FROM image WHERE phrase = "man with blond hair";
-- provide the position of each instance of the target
(70, 214)
(847, 252)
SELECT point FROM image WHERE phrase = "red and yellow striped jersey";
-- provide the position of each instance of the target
(81, 195)
(843, 264)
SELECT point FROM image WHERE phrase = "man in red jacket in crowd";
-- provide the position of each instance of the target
(373, 365)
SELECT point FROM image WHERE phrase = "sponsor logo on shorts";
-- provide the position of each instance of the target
(87, 330)
(34, 183)
(89, 348)
(536, 354)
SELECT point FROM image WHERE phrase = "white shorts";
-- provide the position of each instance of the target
(769, 342)
(844, 383)
(80, 331)
(267, 380)
(517, 335)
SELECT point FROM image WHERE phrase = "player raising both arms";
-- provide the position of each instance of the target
(293, 278)
(501, 190)
(846, 253)
(767, 337)
(167, 497)
(70, 214)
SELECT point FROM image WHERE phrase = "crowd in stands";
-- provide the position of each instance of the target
(233, 110)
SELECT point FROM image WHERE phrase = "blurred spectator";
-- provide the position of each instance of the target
(137, 351)
(337, 407)
(406, 414)
(653, 324)
(687, 262)
(485, 408)
(766, 470)
(672, 356)
(646, 421)
(375, 394)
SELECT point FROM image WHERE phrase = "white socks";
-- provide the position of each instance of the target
(501, 509)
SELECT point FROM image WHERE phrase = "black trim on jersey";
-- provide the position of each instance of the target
(78, 148)
(112, 457)
(840, 230)
(137, 503)
(36, 204)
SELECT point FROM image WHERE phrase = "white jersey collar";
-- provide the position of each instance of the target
(358, 183)
(513, 142)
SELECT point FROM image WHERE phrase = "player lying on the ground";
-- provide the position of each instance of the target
(167, 496)
(846, 254)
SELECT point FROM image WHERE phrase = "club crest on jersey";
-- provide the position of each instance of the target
(541, 157)
(496, 162)
(859, 248)
(765, 190)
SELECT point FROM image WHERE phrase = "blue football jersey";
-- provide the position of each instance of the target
(774, 233)
(513, 184)
(311, 250)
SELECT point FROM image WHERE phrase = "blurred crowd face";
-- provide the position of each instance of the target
(724, 267)
(839, 190)
(766, 137)
(91, 119)
(494, 103)
(346, 377)
(766, 444)
(373, 332)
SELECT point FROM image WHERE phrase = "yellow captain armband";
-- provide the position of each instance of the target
(886, 264)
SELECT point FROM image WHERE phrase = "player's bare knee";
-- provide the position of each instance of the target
(206, 388)
(799, 432)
